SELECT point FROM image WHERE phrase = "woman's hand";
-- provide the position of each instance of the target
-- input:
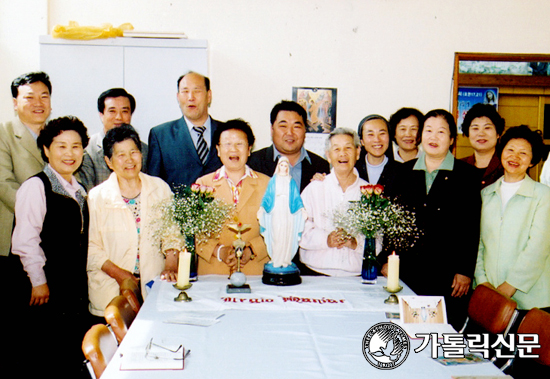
(169, 275)
(319, 176)
(461, 285)
(507, 289)
(117, 273)
(340, 239)
(384, 270)
(227, 255)
(170, 272)
(40, 294)
(247, 255)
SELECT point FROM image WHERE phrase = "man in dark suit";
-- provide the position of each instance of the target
(181, 151)
(288, 132)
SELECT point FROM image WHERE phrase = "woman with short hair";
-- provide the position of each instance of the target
(484, 126)
(514, 249)
(376, 164)
(122, 230)
(404, 131)
(236, 184)
(51, 239)
(445, 196)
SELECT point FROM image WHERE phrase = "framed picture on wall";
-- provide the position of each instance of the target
(468, 96)
(320, 105)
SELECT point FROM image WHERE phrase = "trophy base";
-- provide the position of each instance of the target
(281, 276)
(245, 288)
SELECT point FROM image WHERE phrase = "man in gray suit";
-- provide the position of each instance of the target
(115, 107)
(19, 155)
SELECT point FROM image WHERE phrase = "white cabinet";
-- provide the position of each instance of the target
(147, 68)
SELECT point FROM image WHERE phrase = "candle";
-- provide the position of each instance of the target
(184, 266)
(393, 272)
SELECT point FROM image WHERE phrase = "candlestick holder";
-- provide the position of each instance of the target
(392, 299)
(182, 296)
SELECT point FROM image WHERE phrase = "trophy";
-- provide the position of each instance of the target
(237, 278)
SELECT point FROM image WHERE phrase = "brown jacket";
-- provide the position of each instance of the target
(249, 202)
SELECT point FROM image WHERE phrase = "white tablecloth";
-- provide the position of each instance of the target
(277, 332)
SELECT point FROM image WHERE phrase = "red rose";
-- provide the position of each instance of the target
(378, 189)
(367, 190)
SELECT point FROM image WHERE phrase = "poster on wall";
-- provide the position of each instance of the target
(320, 106)
(468, 96)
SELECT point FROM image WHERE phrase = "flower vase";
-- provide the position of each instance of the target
(369, 271)
(190, 245)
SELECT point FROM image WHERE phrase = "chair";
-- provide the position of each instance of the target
(130, 289)
(119, 315)
(490, 311)
(99, 345)
(537, 322)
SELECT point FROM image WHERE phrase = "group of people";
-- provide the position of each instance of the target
(78, 213)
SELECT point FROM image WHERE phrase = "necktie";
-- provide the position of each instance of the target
(202, 147)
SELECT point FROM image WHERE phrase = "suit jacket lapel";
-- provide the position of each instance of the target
(183, 138)
(269, 163)
(212, 154)
(27, 140)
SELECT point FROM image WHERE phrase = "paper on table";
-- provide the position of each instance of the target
(423, 314)
(162, 354)
(196, 318)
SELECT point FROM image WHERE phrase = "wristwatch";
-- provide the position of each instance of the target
(252, 255)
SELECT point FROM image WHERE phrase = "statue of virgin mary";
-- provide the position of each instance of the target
(282, 216)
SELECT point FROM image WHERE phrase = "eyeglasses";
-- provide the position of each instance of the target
(163, 352)
(237, 145)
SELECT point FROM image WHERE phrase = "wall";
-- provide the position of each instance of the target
(380, 54)
(21, 22)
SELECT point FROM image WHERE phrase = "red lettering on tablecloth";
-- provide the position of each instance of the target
(322, 300)
(292, 299)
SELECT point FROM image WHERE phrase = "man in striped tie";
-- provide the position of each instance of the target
(180, 151)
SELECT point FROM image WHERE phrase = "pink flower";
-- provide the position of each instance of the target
(195, 187)
(378, 189)
(207, 190)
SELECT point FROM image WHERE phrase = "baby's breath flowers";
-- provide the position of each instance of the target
(375, 215)
(195, 212)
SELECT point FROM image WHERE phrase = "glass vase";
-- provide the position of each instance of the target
(190, 245)
(369, 271)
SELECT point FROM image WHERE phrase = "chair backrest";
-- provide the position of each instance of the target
(120, 315)
(130, 290)
(99, 345)
(538, 322)
(491, 310)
